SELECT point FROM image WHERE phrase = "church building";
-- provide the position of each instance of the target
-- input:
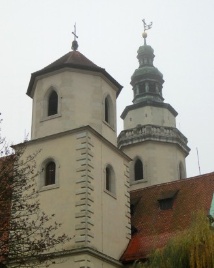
(88, 174)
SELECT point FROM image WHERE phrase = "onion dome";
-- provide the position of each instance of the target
(147, 80)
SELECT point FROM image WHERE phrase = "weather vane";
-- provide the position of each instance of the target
(74, 43)
(146, 28)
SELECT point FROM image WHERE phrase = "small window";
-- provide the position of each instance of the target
(108, 111)
(166, 203)
(138, 170)
(50, 173)
(109, 179)
(166, 199)
(53, 103)
(181, 171)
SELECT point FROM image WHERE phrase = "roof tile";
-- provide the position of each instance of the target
(155, 227)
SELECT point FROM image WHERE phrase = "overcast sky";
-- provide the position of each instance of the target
(34, 33)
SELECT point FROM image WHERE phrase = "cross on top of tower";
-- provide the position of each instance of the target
(146, 28)
(74, 43)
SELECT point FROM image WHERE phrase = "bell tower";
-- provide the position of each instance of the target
(83, 176)
(150, 136)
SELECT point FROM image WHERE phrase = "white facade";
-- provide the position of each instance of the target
(81, 99)
(74, 126)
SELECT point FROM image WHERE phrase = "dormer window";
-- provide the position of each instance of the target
(166, 203)
(53, 103)
(166, 199)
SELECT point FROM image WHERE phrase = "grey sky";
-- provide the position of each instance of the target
(34, 33)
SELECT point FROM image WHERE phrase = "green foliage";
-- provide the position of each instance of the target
(192, 248)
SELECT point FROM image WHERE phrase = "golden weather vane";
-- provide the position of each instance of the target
(146, 28)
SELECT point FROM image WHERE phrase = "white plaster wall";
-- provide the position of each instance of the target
(149, 115)
(84, 261)
(58, 200)
(107, 214)
(112, 222)
(81, 96)
(160, 162)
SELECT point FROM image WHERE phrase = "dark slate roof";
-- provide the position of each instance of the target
(148, 103)
(73, 59)
(154, 226)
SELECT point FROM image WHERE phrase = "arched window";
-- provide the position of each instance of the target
(50, 173)
(108, 111)
(53, 103)
(138, 170)
(181, 171)
(109, 179)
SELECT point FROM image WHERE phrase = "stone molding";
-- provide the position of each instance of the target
(153, 133)
(127, 198)
(84, 205)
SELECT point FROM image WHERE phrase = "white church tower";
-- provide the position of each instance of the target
(150, 136)
(84, 177)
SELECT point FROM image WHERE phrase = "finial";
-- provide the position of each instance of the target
(146, 28)
(74, 43)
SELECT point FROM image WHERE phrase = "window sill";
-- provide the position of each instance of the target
(50, 117)
(138, 181)
(107, 124)
(49, 187)
(110, 193)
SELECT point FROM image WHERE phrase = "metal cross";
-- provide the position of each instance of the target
(146, 26)
(74, 32)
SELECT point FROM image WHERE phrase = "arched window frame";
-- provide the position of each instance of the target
(50, 173)
(132, 171)
(181, 171)
(109, 180)
(138, 169)
(108, 111)
(45, 181)
(45, 115)
(53, 103)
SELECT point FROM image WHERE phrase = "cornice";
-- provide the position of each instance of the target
(153, 133)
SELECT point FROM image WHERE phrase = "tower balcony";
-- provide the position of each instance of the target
(153, 133)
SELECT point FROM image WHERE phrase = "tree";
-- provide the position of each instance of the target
(191, 248)
(28, 236)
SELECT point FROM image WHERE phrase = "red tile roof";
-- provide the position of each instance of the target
(155, 226)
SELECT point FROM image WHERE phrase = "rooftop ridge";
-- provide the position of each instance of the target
(174, 182)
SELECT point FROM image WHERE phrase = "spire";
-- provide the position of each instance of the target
(146, 28)
(147, 80)
(74, 43)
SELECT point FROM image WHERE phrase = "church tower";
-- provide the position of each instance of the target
(84, 177)
(150, 136)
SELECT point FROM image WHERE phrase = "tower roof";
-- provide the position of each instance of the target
(72, 57)
(147, 80)
(75, 60)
